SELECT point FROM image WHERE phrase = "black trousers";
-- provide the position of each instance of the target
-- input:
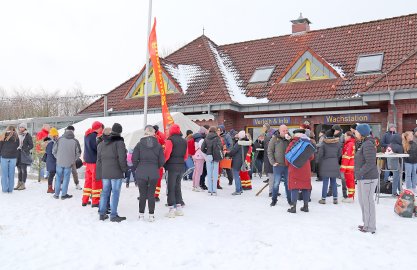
(22, 172)
(174, 186)
(147, 192)
(203, 176)
(51, 177)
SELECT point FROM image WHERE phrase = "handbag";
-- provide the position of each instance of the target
(25, 158)
(226, 163)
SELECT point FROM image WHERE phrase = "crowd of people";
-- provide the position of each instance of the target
(203, 157)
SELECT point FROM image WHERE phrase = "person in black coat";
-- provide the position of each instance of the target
(238, 159)
(50, 158)
(24, 158)
(148, 158)
(258, 146)
(175, 155)
(9, 142)
(328, 156)
(111, 166)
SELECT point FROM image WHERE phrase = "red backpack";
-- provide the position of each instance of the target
(404, 206)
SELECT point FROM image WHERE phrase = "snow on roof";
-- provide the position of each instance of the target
(231, 78)
(338, 69)
(185, 75)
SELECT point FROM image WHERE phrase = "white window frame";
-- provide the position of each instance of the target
(262, 68)
(369, 71)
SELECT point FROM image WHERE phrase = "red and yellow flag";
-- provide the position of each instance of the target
(153, 52)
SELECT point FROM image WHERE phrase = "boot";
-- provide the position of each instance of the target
(171, 213)
(335, 201)
(322, 201)
(273, 203)
(293, 209)
(18, 185)
(219, 187)
(117, 219)
(344, 194)
(230, 182)
(304, 208)
(178, 211)
(50, 189)
(104, 217)
(22, 186)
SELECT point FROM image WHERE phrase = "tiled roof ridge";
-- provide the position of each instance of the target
(213, 62)
(384, 74)
(318, 30)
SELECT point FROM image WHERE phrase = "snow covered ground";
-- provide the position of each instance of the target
(224, 232)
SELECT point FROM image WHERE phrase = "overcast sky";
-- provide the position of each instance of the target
(98, 44)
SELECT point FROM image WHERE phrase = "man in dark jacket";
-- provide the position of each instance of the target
(175, 155)
(366, 174)
(111, 166)
(276, 155)
(92, 185)
(148, 158)
(66, 153)
(258, 146)
(74, 166)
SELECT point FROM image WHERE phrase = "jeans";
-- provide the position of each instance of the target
(238, 183)
(22, 172)
(62, 172)
(410, 175)
(7, 174)
(212, 175)
(396, 189)
(112, 186)
(280, 173)
(258, 166)
(189, 163)
(294, 196)
(326, 185)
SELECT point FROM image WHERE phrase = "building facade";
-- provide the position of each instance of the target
(364, 72)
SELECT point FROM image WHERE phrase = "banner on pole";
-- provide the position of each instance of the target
(153, 52)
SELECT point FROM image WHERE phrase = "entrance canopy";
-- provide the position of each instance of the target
(132, 126)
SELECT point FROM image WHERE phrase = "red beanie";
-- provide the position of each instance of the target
(96, 125)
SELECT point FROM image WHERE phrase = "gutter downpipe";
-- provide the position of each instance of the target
(392, 102)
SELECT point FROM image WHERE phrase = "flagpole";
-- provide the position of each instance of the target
(145, 104)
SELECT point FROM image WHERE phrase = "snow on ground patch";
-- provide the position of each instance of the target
(185, 75)
(231, 77)
(223, 232)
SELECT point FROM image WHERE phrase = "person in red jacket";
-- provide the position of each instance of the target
(92, 186)
(161, 139)
(189, 163)
(348, 165)
(299, 178)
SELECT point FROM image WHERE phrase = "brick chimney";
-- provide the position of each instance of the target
(300, 25)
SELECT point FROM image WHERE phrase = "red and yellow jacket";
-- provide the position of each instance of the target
(348, 156)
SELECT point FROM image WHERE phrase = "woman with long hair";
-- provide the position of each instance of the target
(9, 144)
(410, 163)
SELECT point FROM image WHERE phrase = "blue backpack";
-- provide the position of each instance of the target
(300, 153)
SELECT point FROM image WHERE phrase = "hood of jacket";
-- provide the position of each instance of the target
(69, 134)
(89, 131)
(211, 136)
(112, 138)
(148, 142)
(174, 130)
(331, 140)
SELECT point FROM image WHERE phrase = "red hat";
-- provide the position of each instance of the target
(96, 125)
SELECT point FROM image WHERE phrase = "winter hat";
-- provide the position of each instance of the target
(299, 130)
(189, 132)
(96, 125)
(53, 132)
(70, 128)
(241, 134)
(23, 125)
(363, 129)
(156, 127)
(336, 127)
(391, 126)
(330, 133)
(117, 128)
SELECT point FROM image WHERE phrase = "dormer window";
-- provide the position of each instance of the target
(370, 63)
(262, 74)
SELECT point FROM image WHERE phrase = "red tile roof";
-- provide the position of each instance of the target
(339, 46)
